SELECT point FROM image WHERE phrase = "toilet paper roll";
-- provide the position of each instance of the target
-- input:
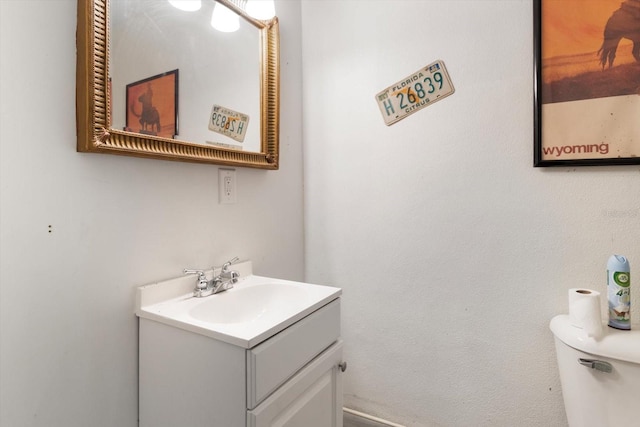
(584, 311)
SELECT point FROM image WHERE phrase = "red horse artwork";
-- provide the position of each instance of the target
(149, 117)
(152, 105)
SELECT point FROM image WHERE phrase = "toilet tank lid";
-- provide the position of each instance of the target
(614, 343)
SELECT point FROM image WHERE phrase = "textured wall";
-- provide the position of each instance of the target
(80, 231)
(453, 251)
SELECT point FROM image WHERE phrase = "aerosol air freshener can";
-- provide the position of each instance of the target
(619, 292)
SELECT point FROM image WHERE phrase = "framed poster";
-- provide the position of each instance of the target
(586, 82)
(152, 105)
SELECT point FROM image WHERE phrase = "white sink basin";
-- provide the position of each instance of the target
(255, 309)
(251, 303)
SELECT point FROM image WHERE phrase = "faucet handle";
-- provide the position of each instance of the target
(202, 278)
(225, 266)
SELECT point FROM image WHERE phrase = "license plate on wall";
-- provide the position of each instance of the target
(413, 93)
(228, 122)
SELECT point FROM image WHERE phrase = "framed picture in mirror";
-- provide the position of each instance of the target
(586, 82)
(121, 42)
(152, 105)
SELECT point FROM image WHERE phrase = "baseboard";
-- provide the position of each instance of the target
(354, 418)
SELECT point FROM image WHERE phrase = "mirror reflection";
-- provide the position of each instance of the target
(174, 75)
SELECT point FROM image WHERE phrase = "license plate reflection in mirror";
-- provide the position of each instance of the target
(419, 90)
(228, 122)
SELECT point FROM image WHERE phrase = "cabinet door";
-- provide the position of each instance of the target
(312, 398)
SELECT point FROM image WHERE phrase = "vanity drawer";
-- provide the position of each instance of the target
(274, 361)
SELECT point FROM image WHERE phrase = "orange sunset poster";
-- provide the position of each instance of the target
(573, 37)
(589, 64)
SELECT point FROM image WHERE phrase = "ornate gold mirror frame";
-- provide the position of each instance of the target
(93, 101)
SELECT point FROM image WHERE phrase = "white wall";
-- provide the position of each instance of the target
(453, 251)
(79, 232)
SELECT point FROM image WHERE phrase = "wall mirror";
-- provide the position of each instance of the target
(158, 82)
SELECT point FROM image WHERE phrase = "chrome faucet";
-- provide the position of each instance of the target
(220, 283)
(231, 275)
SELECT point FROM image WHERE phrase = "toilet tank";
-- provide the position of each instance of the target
(600, 378)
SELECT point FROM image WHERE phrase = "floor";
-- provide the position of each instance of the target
(353, 421)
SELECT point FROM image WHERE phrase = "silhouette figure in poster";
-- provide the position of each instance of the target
(624, 23)
(149, 118)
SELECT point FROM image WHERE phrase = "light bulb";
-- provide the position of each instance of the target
(186, 5)
(223, 19)
(261, 9)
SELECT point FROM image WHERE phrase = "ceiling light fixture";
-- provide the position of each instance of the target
(261, 9)
(223, 19)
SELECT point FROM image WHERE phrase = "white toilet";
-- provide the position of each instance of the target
(600, 378)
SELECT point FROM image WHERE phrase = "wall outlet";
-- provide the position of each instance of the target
(226, 186)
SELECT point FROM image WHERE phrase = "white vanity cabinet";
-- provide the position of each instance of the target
(291, 378)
